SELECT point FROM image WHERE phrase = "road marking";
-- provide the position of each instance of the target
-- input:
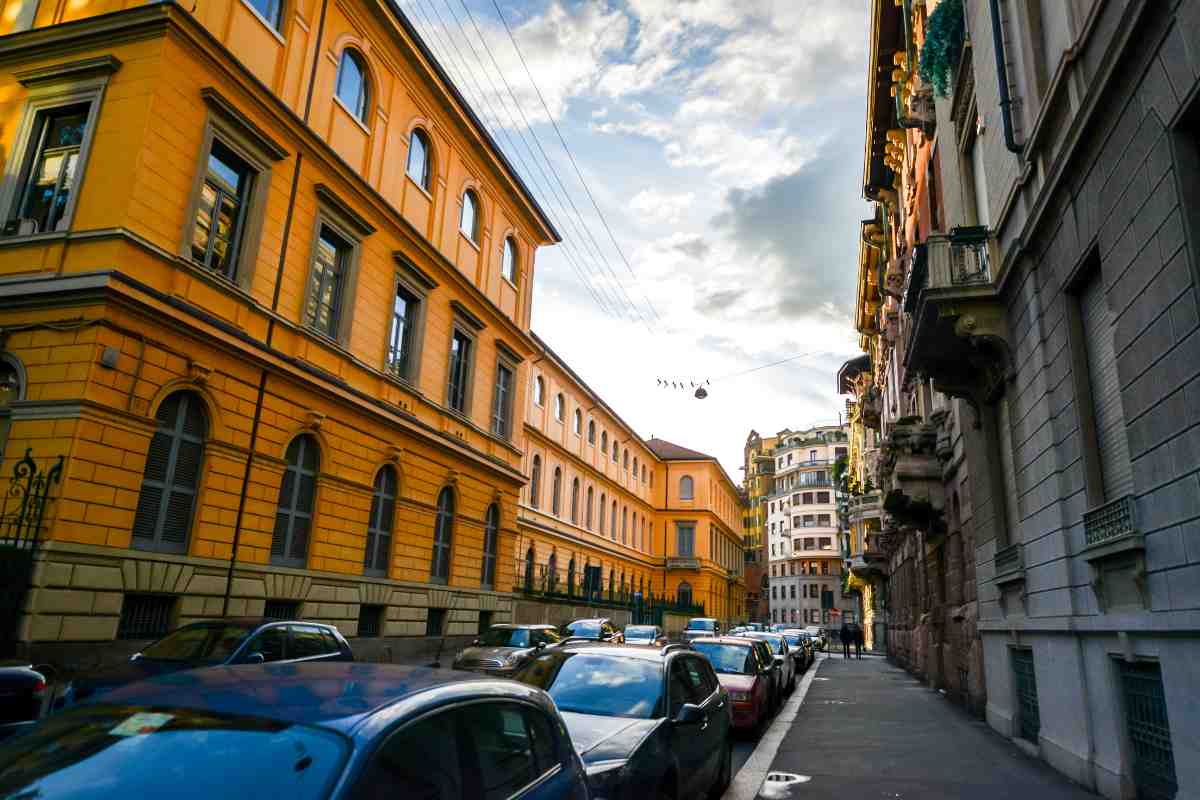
(750, 777)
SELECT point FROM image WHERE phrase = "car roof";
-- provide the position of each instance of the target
(589, 619)
(334, 694)
(620, 650)
(738, 640)
(511, 626)
(703, 619)
(253, 622)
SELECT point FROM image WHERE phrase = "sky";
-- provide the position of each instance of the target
(722, 142)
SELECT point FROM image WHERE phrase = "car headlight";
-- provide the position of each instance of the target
(604, 778)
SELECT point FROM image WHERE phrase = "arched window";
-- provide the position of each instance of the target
(552, 571)
(644, 535)
(491, 546)
(633, 540)
(468, 221)
(626, 464)
(571, 576)
(379, 524)
(622, 584)
(635, 468)
(443, 537)
(293, 516)
(587, 514)
(613, 534)
(352, 88)
(270, 10)
(641, 585)
(577, 425)
(575, 501)
(643, 473)
(591, 431)
(12, 387)
(603, 441)
(418, 167)
(556, 493)
(616, 449)
(535, 483)
(539, 391)
(686, 488)
(560, 406)
(612, 575)
(625, 525)
(602, 509)
(683, 594)
(171, 478)
(529, 568)
(508, 260)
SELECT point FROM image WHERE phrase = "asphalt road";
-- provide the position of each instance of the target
(743, 746)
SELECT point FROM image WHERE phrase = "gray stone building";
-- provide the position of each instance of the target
(1032, 314)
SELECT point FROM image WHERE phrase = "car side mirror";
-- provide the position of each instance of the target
(689, 714)
(256, 658)
(540, 646)
(475, 643)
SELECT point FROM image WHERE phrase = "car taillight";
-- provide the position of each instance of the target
(39, 687)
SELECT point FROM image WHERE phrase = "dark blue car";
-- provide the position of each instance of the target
(299, 731)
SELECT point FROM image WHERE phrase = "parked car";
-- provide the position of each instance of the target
(800, 644)
(701, 626)
(776, 674)
(301, 731)
(745, 673)
(503, 648)
(783, 657)
(820, 638)
(656, 727)
(648, 635)
(738, 631)
(22, 693)
(600, 628)
(222, 641)
(754, 626)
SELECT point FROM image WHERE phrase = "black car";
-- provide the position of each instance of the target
(221, 641)
(22, 691)
(648, 723)
(301, 731)
(599, 628)
(801, 648)
(503, 648)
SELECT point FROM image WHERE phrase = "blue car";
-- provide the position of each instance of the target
(301, 731)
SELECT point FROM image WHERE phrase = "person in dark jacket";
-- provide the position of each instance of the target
(858, 640)
(846, 636)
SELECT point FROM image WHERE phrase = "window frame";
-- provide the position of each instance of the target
(378, 525)
(276, 25)
(491, 546)
(556, 492)
(468, 380)
(577, 422)
(535, 481)
(361, 115)
(425, 184)
(168, 486)
(560, 407)
(476, 233)
(691, 484)
(539, 391)
(591, 432)
(410, 281)
(443, 538)
(510, 242)
(506, 417)
(284, 559)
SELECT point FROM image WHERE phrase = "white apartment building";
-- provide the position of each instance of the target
(804, 543)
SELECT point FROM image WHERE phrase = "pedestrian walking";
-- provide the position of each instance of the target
(846, 636)
(858, 640)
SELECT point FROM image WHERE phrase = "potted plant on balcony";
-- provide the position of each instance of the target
(940, 53)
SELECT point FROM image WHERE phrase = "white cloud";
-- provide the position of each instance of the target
(661, 207)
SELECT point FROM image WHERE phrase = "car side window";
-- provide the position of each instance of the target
(545, 744)
(331, 642)
(271, 643)
(679, 687)
(696, 680)
(306, 642)
(420, 762)
(502, 747)
(708, 678)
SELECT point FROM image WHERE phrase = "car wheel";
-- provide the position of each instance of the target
(725, 776)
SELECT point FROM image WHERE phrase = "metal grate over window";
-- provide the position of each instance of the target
(282, 609)
(435, 623)
(145, 616)
(1149, 731)
(370, 620)
(1029, 717)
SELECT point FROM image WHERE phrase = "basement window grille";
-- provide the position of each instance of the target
(145, 616)
(1028, 714)
(1149, 731)
(485, 621)
(370, 620)
(282, 609)
(435, 622)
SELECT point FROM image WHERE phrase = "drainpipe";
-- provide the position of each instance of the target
(1010, 139)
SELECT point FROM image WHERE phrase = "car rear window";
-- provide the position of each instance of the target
(133, 751)
(702, 625)
(728, 659)
(208, 644)
(608, 686)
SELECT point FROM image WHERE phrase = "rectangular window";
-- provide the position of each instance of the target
(460, 371)
(485, 621)
(281, 609)
(502, 401)
(685, 539)
(401, 355)
(326, 281)
(823, 522)
(370, 620)
(822, 497)
(221, 210)
(435, 621)
(1116, 476)
(145, 616)
(51, 169)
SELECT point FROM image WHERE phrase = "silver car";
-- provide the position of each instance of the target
(501, 649)
(783, 657)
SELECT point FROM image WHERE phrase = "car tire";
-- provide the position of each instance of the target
(725, 776)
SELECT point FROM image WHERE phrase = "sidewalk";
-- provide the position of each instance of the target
(867, 729)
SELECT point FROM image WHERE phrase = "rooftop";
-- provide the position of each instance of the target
(669, 451)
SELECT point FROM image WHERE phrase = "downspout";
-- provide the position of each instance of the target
(1010, 139)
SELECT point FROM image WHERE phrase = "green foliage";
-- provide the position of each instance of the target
(943, 46)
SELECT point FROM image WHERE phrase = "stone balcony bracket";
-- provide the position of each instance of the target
(1010, 573)
(1114, 546)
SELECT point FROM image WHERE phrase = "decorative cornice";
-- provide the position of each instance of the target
(73, 70)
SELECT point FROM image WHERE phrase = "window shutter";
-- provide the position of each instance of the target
(293, 515)
(1106, 390)
(174, 464)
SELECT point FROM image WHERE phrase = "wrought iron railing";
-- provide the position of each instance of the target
(25, 503)
(611, 599)
(1111, 521)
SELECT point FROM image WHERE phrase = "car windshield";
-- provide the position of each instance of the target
(792, 638)
(131, 751)
(728, 659)
(589, 629)
(640, 632)
(603, 685)
(505, 637)
(774, 641)
(702, 625)
(209, 643)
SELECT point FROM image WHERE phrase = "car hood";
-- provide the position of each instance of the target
(736, 683)
(128, 672)
(501, 653)
(599, 738)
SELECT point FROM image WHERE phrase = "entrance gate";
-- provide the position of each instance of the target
(20, 530)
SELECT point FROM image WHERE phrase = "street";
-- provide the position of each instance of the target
(866, 729)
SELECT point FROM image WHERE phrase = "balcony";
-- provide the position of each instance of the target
(958, 333)
(864, 507)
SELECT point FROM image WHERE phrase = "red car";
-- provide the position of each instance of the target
(742, 673)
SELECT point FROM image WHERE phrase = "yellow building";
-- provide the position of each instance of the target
(758, 470)
(265, 287)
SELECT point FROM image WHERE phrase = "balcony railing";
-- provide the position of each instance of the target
(961, 259)
(683, 562)
(1010, 564)
(1111, 521)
